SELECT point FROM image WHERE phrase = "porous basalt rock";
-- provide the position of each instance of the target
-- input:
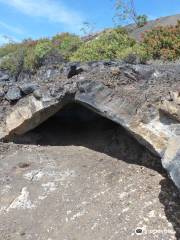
(144, 99)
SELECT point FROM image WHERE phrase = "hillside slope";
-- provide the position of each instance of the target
(137, 32)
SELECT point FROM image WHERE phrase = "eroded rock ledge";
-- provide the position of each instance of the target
(144, 99)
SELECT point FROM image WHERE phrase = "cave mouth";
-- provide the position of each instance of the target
(74, 124)
(78, 125)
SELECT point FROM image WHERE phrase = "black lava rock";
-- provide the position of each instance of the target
(74, 70)
(28, 88)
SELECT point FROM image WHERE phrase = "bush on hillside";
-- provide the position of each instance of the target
(19, 56)
(29, 55)
(13, 62)
(115, 44)
(66, 43)
(112, 44)
(136, 52)
(8, 49)
(35, 53)
(163, 42)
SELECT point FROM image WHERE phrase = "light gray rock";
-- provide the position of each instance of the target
(171, 159)
(37, 94)
(3, 77)
(13, 94)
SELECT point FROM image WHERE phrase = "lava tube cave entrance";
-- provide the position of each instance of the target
(78, 125)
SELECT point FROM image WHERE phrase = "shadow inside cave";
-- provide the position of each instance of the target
(80, 126)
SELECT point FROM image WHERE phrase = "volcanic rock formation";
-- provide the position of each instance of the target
(143, 99)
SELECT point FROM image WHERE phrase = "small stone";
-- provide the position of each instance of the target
(22, 234)
(115, 71)
(23, 165)
(37, 94)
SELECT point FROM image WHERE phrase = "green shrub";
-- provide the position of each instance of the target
(8, 49)
(29, 54)
(10, 63)
(112, 44)
(42, 48)
(13, 61)
(137, 51)
(31, 61)
(163, 42)
(13, 57)
(34, 55)
(66, 43)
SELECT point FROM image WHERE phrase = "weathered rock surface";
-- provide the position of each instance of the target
(13, 93)
(171, 159)
(144, 99)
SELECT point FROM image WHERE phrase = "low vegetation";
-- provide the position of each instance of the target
(111, 44)
(163, 42)
(114, 44)
(29, 55)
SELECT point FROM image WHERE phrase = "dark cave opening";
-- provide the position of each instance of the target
(77, 125)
